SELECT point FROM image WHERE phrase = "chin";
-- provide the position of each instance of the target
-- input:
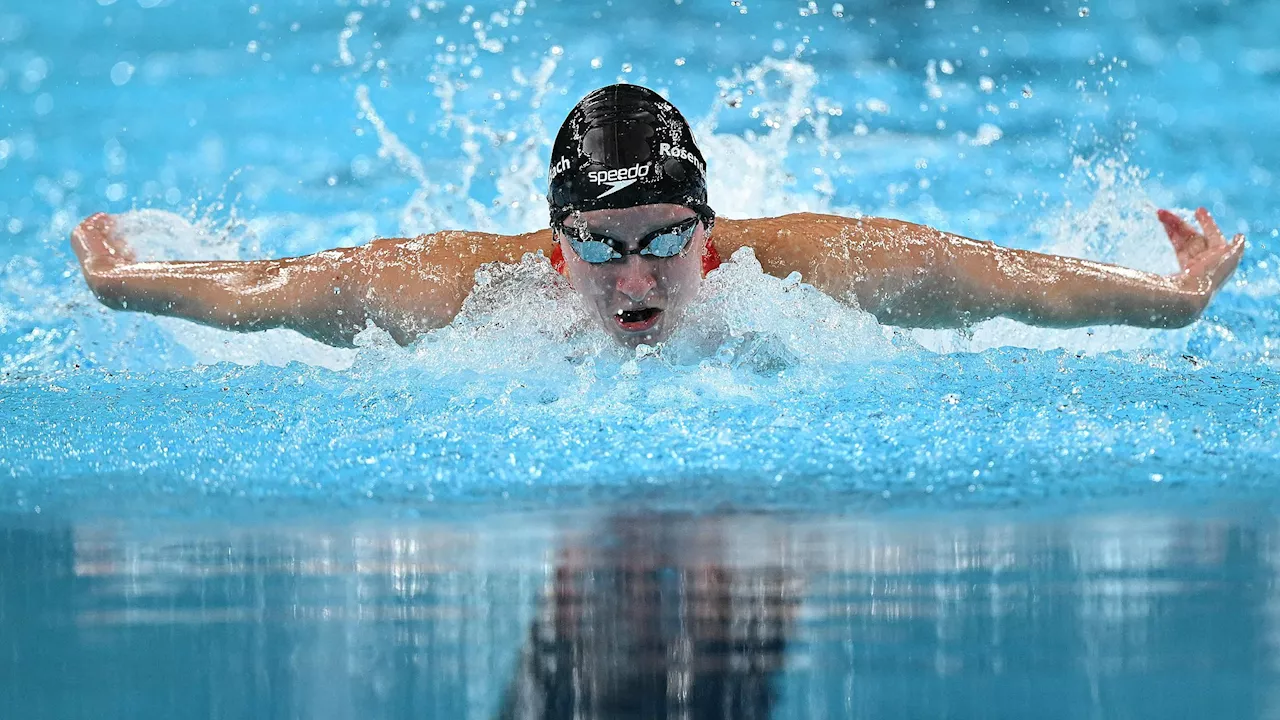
(634, 340)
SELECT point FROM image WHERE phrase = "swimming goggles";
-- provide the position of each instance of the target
(596, 248)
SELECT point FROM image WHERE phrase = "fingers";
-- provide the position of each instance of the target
(82, 236)
(97, 224)
(1230, 260)
(1211, 231)
(1187, 243)
(94, 240)
(1177, 228)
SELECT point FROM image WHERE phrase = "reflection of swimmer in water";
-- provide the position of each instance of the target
(659, 618)
(631, 230)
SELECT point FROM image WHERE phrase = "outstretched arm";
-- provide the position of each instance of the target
(404, 286)
(915, 276)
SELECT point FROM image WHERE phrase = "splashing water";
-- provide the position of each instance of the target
(766, 378)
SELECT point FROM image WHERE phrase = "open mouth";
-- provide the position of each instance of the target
(637, 320)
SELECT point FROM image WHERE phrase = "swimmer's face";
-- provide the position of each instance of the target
(639, 298)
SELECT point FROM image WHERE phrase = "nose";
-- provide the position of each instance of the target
(635, 279)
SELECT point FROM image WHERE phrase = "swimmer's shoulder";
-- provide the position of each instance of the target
(841, 256)
(797, 241)
(412, 285)
(456, 249)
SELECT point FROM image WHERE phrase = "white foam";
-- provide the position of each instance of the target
(524, 331)
(747, 317)
(163, 235)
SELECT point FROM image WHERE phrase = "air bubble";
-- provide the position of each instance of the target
(121, 72)
(1084, 12)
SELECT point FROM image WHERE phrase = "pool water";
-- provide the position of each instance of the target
(786, 510)
(636, 614)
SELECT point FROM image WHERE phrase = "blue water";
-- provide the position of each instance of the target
(998, 522)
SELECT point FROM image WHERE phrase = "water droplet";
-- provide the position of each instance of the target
(121, 72)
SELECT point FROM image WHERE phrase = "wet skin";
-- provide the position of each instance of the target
(904, 274)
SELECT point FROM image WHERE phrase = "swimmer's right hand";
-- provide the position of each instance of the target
(100, 250)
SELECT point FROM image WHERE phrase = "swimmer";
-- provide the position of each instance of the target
(631, 231)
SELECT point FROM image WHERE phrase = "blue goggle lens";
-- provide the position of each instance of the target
(596, 249)
(593, 251)
(669, 244)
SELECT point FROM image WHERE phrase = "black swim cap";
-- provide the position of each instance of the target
(622, 146)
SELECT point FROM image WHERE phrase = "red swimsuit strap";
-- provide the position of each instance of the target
(710, 259)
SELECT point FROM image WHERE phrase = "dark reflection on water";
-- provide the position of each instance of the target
(656, 617)
(632, 615)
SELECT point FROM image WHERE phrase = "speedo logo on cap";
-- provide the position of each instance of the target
(618, 179)
(675, 151)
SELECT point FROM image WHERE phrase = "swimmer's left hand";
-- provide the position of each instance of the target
(98, 246)
(102, 253)
(1206, 258)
